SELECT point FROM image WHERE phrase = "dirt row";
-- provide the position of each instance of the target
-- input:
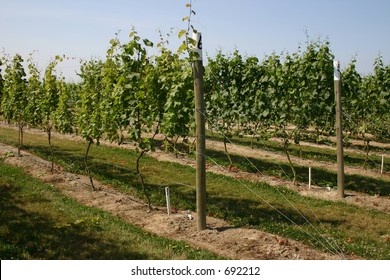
(219, 237)
(381, 203)
(261, 154)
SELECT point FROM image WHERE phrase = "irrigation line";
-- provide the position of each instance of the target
(180, 184)
(299, 212)
(284, 197)
(331, 249)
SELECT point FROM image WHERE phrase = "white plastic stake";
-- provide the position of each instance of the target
(383, 163)
(309, 178)
(167, 196)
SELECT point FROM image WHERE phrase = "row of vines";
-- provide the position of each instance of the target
(141, 89)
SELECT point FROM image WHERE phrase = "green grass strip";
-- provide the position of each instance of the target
(38, 222)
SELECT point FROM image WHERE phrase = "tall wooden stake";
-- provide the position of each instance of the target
(339, 130)
(200, 134)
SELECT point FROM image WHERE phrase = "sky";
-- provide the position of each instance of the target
(83, 28)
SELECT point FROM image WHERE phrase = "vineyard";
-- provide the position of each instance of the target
(268, 122)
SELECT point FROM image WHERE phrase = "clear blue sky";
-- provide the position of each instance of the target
(83, 28)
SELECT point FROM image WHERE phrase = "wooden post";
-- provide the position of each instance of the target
(200, 134)
(339, 130)
(309, 178)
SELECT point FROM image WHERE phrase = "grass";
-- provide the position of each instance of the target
(37, 222)
(276, 210)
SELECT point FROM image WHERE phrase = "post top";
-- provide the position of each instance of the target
(198, 44)
(337, 73)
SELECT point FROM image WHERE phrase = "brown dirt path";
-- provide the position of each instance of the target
(261, 154)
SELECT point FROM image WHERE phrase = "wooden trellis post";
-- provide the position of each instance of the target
(339, 129)
(200, 133)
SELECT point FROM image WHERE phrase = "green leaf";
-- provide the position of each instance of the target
(182, 48)
(148, 43)
(181, 33)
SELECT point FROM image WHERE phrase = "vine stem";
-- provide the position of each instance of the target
(227, 154)
(138, 170)
(142, 179)
(285, 146)
(20, 139)
(48, 132)
(87, 169)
